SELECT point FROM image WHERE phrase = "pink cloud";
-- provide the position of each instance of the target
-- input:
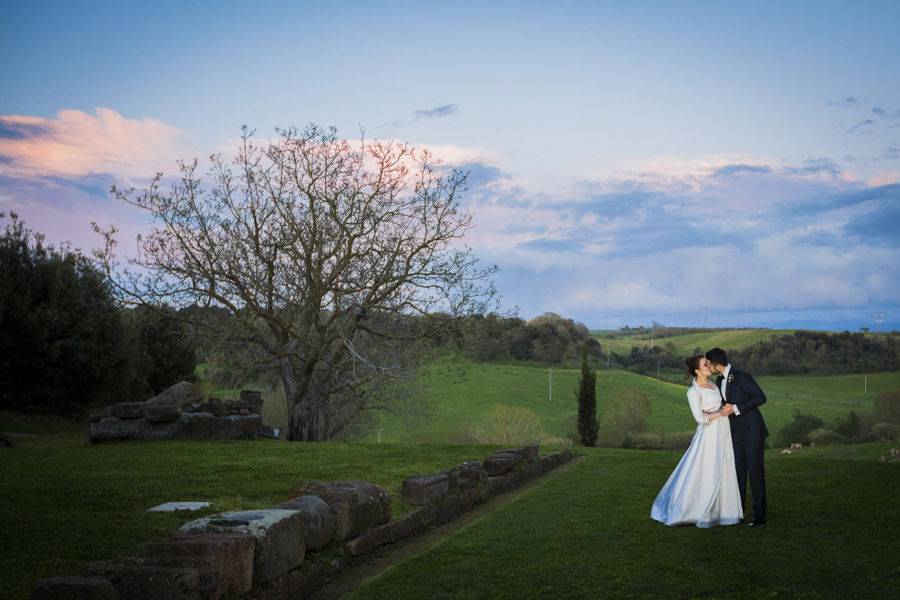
(76, 143)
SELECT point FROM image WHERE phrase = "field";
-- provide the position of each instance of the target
(461, 392)
(587, 534)
(66, 503)
(686, 344)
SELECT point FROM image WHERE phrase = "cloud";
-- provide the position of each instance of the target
(436, 113)
(860, 125)
(75, 143)
(848, 101)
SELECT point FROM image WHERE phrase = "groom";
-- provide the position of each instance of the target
(741, 399)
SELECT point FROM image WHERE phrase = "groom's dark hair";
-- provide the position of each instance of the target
(717, 356)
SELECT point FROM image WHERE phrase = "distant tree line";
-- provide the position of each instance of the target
(815, 352)
(65, 344)
(658, 330)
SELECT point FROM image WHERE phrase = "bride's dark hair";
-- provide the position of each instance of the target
(692, 364)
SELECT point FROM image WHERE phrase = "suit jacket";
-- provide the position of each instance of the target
(743, 391)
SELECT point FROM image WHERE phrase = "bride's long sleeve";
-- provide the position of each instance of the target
(693, 395)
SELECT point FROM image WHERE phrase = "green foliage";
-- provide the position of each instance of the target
(886, 431)
(587, 403)
(163, 352)
(798, 430)
(680, 440)
(644, 441)
(61, 335)
(848, 426)
(826, 436)
(549, 339)
(887, 406)
(628, 411)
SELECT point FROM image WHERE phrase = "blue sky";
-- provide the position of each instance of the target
(629, 162)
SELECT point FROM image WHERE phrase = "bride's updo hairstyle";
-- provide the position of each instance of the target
(691, 365)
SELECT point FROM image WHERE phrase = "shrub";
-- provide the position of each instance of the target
(886, 431)
(679, 440)
(825, 436)
(587, 403)
(644, 441)
(510, 425)
(799, 429)
(628, 411)
(887, 406)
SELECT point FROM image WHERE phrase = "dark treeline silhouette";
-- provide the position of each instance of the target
(816, 352)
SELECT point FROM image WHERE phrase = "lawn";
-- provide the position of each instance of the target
(65, 502)
(832, 532)
(461, 392)
(686, 344)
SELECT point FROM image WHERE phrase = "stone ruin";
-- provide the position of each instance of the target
(181, 412)
(261, 554)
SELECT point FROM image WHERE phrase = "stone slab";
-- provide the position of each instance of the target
(318, 520)
(150, 579)
(356, 505)
(278, 534)
(230, 555)
(420, 490)
(173, 506)
(75, 588)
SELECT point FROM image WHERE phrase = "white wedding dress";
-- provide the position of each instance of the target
(703, 488)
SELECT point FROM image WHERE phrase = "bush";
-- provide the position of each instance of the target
(887, 406)
(799, 429)
(628, 411)
(825, 437)
(644, 441)
(510, 425)
(679, 440)
(886, 431)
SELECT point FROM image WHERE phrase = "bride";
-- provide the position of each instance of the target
(703, 488)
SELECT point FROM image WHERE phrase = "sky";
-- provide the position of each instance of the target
(692, 163)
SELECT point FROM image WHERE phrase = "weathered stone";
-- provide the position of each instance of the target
(99, 412)
(177, 394)
(112, 428)
(151, 579)
(252, 400)
(203, 425)
(217, 408)
(160, 413)
(75, 588)
(244, 412)
(499, 464)
(5, 441)
(278, 536)
(127, 410)
(420, 490)
(231, 555)
(318, 520)
(526, 452)
(357, 505)
(466, 475)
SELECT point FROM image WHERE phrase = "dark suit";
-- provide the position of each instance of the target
(748, 435)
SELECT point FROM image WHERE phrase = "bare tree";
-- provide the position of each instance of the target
(331, 259)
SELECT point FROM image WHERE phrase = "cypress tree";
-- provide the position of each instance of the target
(587, 403)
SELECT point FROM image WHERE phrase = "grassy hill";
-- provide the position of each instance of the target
(461, 392)
(686, 344)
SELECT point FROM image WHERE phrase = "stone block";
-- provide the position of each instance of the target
(499, 464)
(160, 413)
(127, 410)
(356, 505)
(112, 428)
(98, 413)
(467, 475)
(151, 579)
(217, 408)
(183, 392)
(231, 556)
(526, 452)
(252, 400)
(420, 490)
(75, 588)
(278, 535)
(203, 425)
(318, 520)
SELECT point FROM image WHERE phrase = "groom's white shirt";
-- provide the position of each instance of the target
(725, 385)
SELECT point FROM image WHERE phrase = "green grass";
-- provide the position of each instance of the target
(686, 344)
(462, 392)
(64, 502)
(832, 532)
